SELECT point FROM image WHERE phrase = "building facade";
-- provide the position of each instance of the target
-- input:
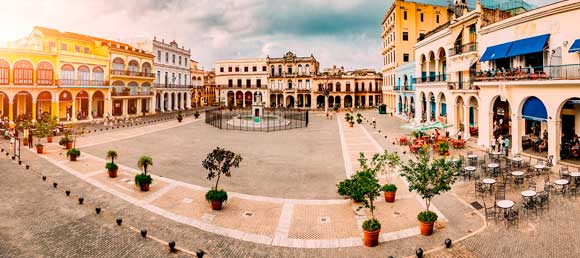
(290, 80)
(405, 91)
(238, 80)
(404, 24)
(199, 95)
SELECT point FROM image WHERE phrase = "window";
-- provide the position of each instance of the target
(158, 77)
(173, 59)
(159, 55)
(254, 69)
(98, 76)
(67, 75)
(272, 71)
(166, 78)
(299, 69)
(63, 47)
(167, 57)
(83, 75)
(338, 86)
(290, 69)
(280, 85)
(179, 79)
(87, 50)
(230, 83)
(437, 18)
(299, 84)
(44, 73)
(405, 15)
(356, 86)
(237, 69)
(421, 17)
(259, 83)
(221, 69)
(347, 86)
(289, 84)
(248, 83)
(308, 84)
(405, 36)
(279, 69)
(77, 49)
(245, 69)
(362, 85)
(52, 45)
(307, 69)
(263, 68)
(239, 83)
(421, 36)
(179, 60)
(405, 57)
(230, 69)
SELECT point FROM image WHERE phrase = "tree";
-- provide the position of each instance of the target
(219, 162)
(111, 154)
(144, 162)
(427, 178)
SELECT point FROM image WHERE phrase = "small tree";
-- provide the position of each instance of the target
(143, 180)
(219, 162)
(428, 179)
(111, 154)
(144, 162)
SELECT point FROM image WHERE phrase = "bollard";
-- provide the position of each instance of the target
(67, 192)
(144, 232)
(81, 200)
(98, 210)
(419, 252)
(172, 246)
(448, 243)
(199, 253)
(54, 184)
(119, 221)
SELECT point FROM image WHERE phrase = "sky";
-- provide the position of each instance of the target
(337, 32)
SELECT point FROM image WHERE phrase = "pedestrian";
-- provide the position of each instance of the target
(30, 140)
(506, 145)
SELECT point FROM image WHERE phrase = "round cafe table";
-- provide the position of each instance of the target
(519, 177)
(574, 176)
(489, 182)
(472, 158)
(493, 167)
(538, 168)
(470, 170)
(528, 193)
(518, 160)
(505, 205)
(562, 183)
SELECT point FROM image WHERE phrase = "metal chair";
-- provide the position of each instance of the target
(490, 212)
(513, 217)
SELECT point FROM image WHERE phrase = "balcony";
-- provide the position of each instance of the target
(235, 86)
(132, 73)
(432, 78)
(81, 83)
(287, 75)
(128, 93)
(556, 72)
(173, 86)
(465, 48)
(462, 85)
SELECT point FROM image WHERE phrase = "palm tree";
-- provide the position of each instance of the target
(144, 162)
(111, 154)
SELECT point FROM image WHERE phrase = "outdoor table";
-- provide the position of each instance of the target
(489, 182)
(528, 193)
(505, 205)
(562, 183)
(495, 154)
(493, 167)
(518, 160)
(538, 168)
(472, 157)
(470, 170)
(518, 175)
(575, 176)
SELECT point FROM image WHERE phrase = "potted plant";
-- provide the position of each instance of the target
(25, 141)
(347, 117)
(428, 179)
(218, 162)
(39, 148)
(350, 121)
(364, 185)
(66, 141)
(389, 191)
(179, 116)
(111, 167)
(41, 132)
(196, 114)
(144, 180)
(73, 153)
(443, 148)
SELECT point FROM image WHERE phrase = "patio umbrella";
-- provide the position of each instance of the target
(438, 125)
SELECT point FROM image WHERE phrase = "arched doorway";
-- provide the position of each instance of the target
(239, 99)
(337, 101)
(173, 100)
(300, 100)
(158, 101)
(248, 98)
(348, 101)
(412, 107)
(535, 124)
(400, 105)
(442, 108)
(272, 98)
(330, 102)
(432, 106)
(423, 104)
(166, 101)
(473, 117)
(43, 104)
(230, 98)
(501, 118)
(65, 106)
(4, 105)
(320, 101)
(179, 100)
(82, 105)
(22, 106)
(290, 101)
(569, 143)
(98, 105)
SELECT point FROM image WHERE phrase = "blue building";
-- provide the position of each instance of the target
(405, 90)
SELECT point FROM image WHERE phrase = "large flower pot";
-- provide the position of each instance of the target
(216, 205)
(72, 157)
(144, 187)
(69, 145)
(25, 142)
(39, 149)
(426, 228)
(390, 196)
(350, 124)
(371, 238)
(49, 139)
(113, 173)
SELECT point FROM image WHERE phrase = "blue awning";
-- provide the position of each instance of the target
(528, 45)
(575, 46)
(534, 109)
(496, 52)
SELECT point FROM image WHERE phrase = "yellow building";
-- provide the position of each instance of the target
(404, 24)
(54, 73)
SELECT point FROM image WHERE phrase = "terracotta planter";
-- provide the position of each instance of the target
(216, 205)
(39, 149)
(390, 196)
(72, 157)
(25, 142)
(113, 173)
(69, 145)
(350, 124)
(49, 139)
(371, 238)
(426, 228)
(144, 188)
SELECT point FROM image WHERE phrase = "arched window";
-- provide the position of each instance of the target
(98, 76)
(4, 72)
(118, 64)
(299, 69)
(146, 87)
(133, 66)
(118, 86)
(23, 73)
(272, 71)
(67, 75)
(44, 73)
(83, 75)
(289, 84)
(279, 69)
(133, 88)
(146, 68)
(338, 86)
(307, 69)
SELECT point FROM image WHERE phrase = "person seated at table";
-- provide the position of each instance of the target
(543, 145)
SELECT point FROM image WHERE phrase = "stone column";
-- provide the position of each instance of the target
(74, 109)
(90, 111)
(554, 134)
(124, 107)
(516, 140)
(54, 112)
(11, 111)
(466, 134)
(33, 111)
(161, 102)
(437, 67)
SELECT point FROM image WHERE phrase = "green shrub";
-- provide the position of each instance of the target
(359, 120)
(143, 179)
(74, 152)
(64, 140)
(427, 216)
(348, 188)
(111, 166)
(371, 225)
(216, 195)
(389, 188)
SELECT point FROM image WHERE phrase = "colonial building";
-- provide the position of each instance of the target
(238, 80)
(171, 69)
(209, 96)
(528, 81)
(290, 80)
(199, 97)
(404, 24)
(53, 73)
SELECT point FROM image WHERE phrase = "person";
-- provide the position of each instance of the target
(374, 121)
(545, 134)
(500, 142)
(506, 145)
(492, 143)
(30, 140)
(436, 135)
(543, 145)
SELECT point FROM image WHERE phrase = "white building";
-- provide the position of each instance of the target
(238, 80)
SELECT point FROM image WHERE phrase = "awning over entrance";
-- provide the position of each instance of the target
(575, 46)
(534, 109)
(516, 48)
(528, 45)
(463, 65)
(495, 52)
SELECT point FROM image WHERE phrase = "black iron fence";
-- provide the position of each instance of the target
(272, 119)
